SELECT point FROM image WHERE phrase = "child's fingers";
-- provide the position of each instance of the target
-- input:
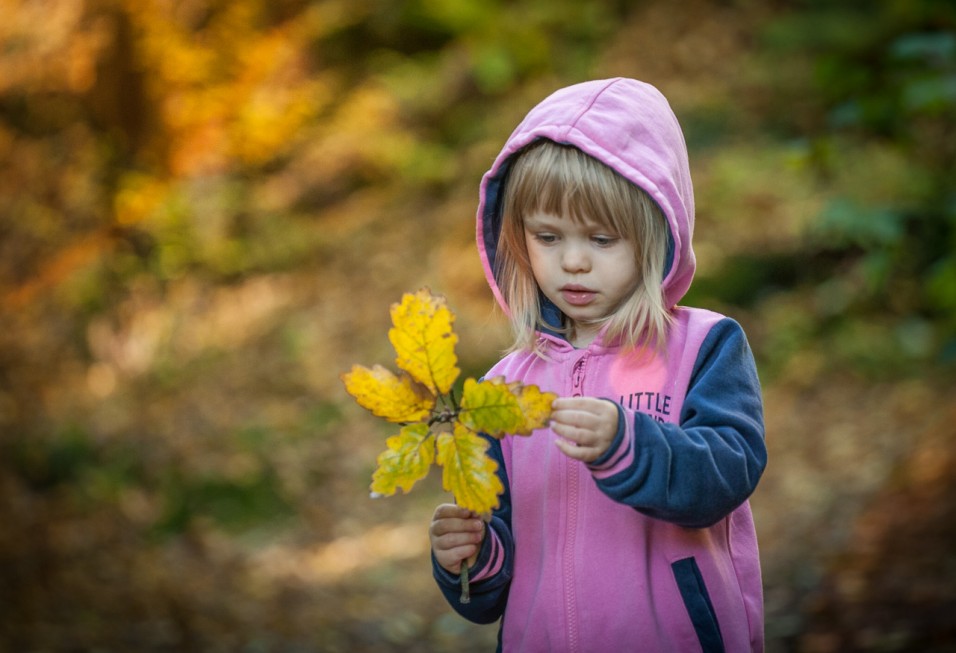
(571, 421)
(584, 414)
(572, 432)
(453, 526)
(452, 559)
(442, 527)
(588, 404)
(456, 534)
(589, 407)
(585, 426)
(450, 510)
(577, 452)
(453, 540)
(584, 429)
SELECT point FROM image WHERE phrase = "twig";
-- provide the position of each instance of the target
(465, 589)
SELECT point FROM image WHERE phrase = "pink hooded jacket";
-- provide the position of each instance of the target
(651, 547)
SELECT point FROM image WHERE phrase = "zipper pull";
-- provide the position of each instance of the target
(577, 378)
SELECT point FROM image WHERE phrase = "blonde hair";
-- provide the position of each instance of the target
(562, 180)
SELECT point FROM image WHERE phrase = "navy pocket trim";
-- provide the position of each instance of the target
(690, 582)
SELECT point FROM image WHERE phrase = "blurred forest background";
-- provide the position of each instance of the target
(207, 207)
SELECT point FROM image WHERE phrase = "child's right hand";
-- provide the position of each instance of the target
(456, 534)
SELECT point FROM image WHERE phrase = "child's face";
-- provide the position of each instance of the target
(586, 269)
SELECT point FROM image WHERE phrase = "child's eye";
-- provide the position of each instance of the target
(603, 241)
(545, 238)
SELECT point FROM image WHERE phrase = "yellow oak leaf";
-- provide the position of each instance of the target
(424, 340)
(396, 398)
(490, 406)
(467, 472)
(535, 407)
(407, 460)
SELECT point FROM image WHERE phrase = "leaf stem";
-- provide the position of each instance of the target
(465, 588)
(445, 416)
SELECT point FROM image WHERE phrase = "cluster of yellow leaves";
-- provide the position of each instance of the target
(436, 427)
(219, 104)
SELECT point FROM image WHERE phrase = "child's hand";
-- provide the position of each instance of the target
(586, 424)
(456, 534)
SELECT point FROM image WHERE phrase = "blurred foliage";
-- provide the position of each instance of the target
(207, 206)
(875, 100)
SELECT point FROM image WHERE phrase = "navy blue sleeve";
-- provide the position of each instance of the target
(697, 472)
(488, 595)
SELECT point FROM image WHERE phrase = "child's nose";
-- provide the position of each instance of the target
(575, 259)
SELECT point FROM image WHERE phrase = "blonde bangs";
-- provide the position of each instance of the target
(562, 180)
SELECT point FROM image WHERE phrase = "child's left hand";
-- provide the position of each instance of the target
(586, 426)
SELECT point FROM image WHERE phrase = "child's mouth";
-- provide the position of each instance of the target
(577, 296)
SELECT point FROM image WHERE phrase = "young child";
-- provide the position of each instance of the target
(624, 525)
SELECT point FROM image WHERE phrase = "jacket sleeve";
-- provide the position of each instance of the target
(490, 576)
(696, 472)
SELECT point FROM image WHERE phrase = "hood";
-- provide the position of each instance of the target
(629, 126)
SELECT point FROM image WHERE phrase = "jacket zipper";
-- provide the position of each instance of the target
(573, 469)
(577, 377)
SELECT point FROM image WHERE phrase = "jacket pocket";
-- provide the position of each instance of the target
(693, 591)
